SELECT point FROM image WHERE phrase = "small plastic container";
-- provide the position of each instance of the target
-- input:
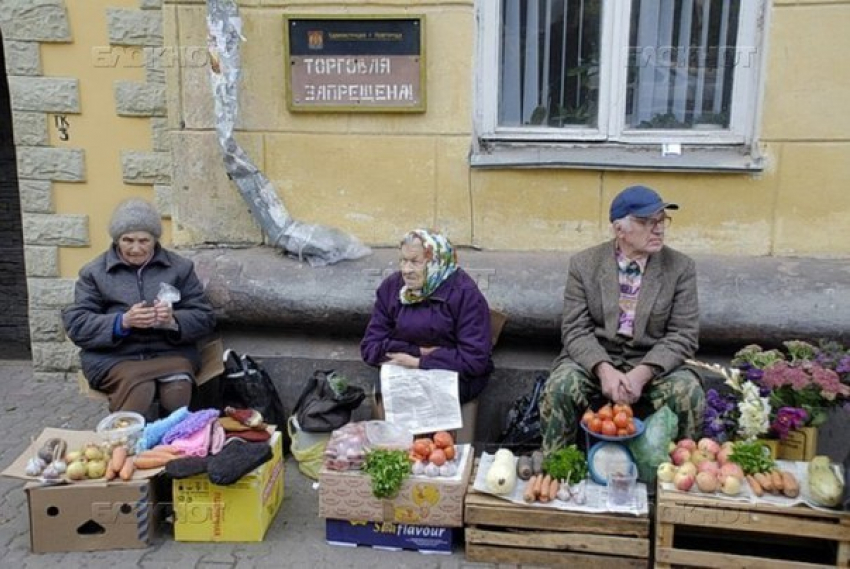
(622, 484)
(121, 428)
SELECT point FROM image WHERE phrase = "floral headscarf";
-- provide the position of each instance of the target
(440, 264)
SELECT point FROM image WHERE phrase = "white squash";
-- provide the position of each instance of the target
(501, 476)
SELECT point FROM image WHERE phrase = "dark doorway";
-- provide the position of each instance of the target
(14, 322)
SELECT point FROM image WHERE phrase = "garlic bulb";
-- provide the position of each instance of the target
(34, 466)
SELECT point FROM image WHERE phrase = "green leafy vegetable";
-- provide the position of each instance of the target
(752, 457)
(567, 463)
(387, 469)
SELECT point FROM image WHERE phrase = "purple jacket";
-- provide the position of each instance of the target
(455, 317)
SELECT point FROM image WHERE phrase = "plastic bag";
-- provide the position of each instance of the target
(388, 436)
(650, 449)
(167, 295)
(346, 449)
(307, 448)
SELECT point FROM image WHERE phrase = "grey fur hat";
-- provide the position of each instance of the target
(135, 215)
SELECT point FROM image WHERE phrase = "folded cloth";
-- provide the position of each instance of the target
(153, 432)
(237, 459)
(196, 444)
(230, 424)
(250, 435)
(190, 425)
(217, 438)
(186, 466)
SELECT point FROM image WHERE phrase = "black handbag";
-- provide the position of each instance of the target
(246, 384)
(320, 409)
(522, 430)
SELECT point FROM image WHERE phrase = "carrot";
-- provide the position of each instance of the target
(127, 469)
(765, 480)
(148, 462)
(167, 448)
(544, 488)
(553, 489)
(119, 455)
(790, 487)
(537, 486)
(776, 478)
(528, 495)
(756, 487)
(156, 454)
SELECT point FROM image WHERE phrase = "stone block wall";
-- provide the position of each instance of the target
(26, 24)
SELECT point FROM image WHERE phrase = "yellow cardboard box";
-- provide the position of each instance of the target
(800, 445)
(243, 511)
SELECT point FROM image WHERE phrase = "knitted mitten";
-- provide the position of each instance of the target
(190, 425)
(237, 459)
(153, 432)
(186, 466)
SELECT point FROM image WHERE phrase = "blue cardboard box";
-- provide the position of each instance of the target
(389, 535)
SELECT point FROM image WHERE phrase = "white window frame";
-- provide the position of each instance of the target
(542, 144)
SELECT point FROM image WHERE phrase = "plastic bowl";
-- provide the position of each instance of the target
(121, 428)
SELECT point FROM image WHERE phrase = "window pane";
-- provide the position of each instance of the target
(681, 61)
(549, 63)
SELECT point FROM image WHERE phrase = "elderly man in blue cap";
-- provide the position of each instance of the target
(630, 321)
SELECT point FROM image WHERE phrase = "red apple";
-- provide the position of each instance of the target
(683, 482)
(680, 456)
(688, 444)
(708, 445)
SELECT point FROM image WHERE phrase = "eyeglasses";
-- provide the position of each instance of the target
(652, 223)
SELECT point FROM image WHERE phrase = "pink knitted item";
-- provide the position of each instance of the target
(217, 438)
(196, 444)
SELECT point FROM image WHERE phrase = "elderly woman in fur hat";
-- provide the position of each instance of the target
(135, 345)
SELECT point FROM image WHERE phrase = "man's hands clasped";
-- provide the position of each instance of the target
(622, 387)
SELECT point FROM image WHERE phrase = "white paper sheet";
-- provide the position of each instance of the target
(596, 497)
(421, 400)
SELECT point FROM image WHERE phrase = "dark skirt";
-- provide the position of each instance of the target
(126, 375)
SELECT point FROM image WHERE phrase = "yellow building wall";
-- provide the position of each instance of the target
(97, 129)
(377, 175)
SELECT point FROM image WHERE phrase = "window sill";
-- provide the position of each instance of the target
(729, 159)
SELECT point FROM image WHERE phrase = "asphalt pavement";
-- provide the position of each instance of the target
(296, 538)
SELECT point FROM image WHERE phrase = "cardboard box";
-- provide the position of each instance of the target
(386, 535)
(86, 515)
(799, 445)
(91, 517)
(420, 501)
(243, 511)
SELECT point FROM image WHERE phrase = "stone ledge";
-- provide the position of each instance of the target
(743, 299)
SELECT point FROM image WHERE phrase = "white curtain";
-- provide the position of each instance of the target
(679, 81)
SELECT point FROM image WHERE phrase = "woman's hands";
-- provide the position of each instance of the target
(406, 360)
(140, 315)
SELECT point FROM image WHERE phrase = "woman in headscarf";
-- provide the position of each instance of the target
(136, 345)
(431, 315)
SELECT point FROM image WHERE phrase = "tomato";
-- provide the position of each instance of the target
(609, 428)
(595, 425)
(587, 417)
(630, 428)
(605, 412)
(621, 420)
(623, 408)
(622, 432)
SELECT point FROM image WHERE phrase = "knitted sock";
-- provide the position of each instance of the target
(153, 432)
(237, 459)
(186, 466)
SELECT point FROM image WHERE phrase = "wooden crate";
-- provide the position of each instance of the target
(498, 531)
(750, 535)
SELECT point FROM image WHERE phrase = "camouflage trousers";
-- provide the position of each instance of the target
(570, 390)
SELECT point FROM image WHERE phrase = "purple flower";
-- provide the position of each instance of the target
(788, 419)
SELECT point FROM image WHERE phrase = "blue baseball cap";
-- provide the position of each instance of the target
(638, 201)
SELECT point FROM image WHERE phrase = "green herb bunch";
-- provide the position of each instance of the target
(387, 469)
(567, 463)
(752, 457)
